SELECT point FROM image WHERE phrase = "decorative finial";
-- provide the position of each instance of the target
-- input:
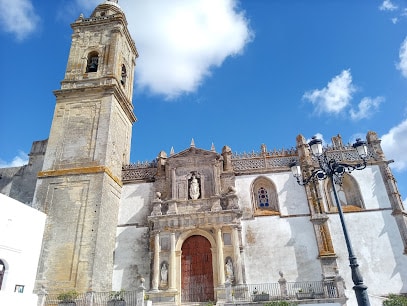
(172, 151)
(192, 143)
(213, 148)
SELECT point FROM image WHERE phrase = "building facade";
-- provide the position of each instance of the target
(194, 224)
(21, 229)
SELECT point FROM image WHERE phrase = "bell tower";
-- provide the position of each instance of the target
(79, 187)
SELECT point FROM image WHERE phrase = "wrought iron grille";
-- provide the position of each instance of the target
(291, 291)
(95, 299)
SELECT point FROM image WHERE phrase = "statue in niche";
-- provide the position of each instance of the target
(194, 188)
(164, 274)
(229, 270)
(231, 190)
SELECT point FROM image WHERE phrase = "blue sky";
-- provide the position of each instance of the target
(237, 73)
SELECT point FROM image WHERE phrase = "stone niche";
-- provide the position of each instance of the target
(194, 180)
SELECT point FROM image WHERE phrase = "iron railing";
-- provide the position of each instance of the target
(239, 293)
(95, 299)
(290, 291)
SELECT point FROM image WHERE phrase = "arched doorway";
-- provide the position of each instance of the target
(196, 270)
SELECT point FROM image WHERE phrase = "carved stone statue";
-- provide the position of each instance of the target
(229, 270)
(194, 188)
(164, 274)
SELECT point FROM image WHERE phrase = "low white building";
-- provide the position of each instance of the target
(21, 231)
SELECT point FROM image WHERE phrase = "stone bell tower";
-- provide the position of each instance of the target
(79, 187)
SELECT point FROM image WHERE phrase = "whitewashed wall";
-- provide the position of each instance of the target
(378, 247)
(288, 243)
(132, 255)
(372, 188)
(291, 196)
(21, 231)
(273, 244)
(284, 243)
(375, 239)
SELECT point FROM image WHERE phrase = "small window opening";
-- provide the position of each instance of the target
(19, 288)
(93, 62)
(124, 75)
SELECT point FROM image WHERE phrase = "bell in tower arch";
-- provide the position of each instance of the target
(93, 62)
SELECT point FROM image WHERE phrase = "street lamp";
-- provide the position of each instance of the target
(330, 168)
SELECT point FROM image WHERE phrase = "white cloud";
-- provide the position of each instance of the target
(394, 144)
(19, 160)
(394, 20)
(18, 17)
(335, 97)
(180, 41)
(366, 107)
(402, 64)
(387, 5)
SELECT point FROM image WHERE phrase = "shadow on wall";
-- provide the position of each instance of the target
(392, 231)
(303, 240)
(132, 258)
(400, 268)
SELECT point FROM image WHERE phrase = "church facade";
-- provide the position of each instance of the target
(196, 225)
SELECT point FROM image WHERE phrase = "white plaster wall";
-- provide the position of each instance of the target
(372, 187)
(135, 203)
(273, 244)
(291, 196)
(132, 256)
(378, 247)
(21, 232)
(284, 243)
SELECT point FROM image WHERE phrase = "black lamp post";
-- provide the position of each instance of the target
(330, 168)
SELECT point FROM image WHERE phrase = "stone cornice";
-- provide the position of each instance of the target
(100, 91)
(205, 219)
(79, 171)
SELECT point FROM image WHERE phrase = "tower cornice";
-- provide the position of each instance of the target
(107, 90)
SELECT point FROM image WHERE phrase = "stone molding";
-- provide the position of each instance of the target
(196, 220)
(78, 171)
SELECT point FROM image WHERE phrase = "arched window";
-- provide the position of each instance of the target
(93, 62)
(264, 197)
(124, 75)
(349, 195)
(2, 272)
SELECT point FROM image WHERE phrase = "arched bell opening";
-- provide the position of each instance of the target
(93, 62)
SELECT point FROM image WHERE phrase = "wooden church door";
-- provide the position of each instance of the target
(196, 269)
